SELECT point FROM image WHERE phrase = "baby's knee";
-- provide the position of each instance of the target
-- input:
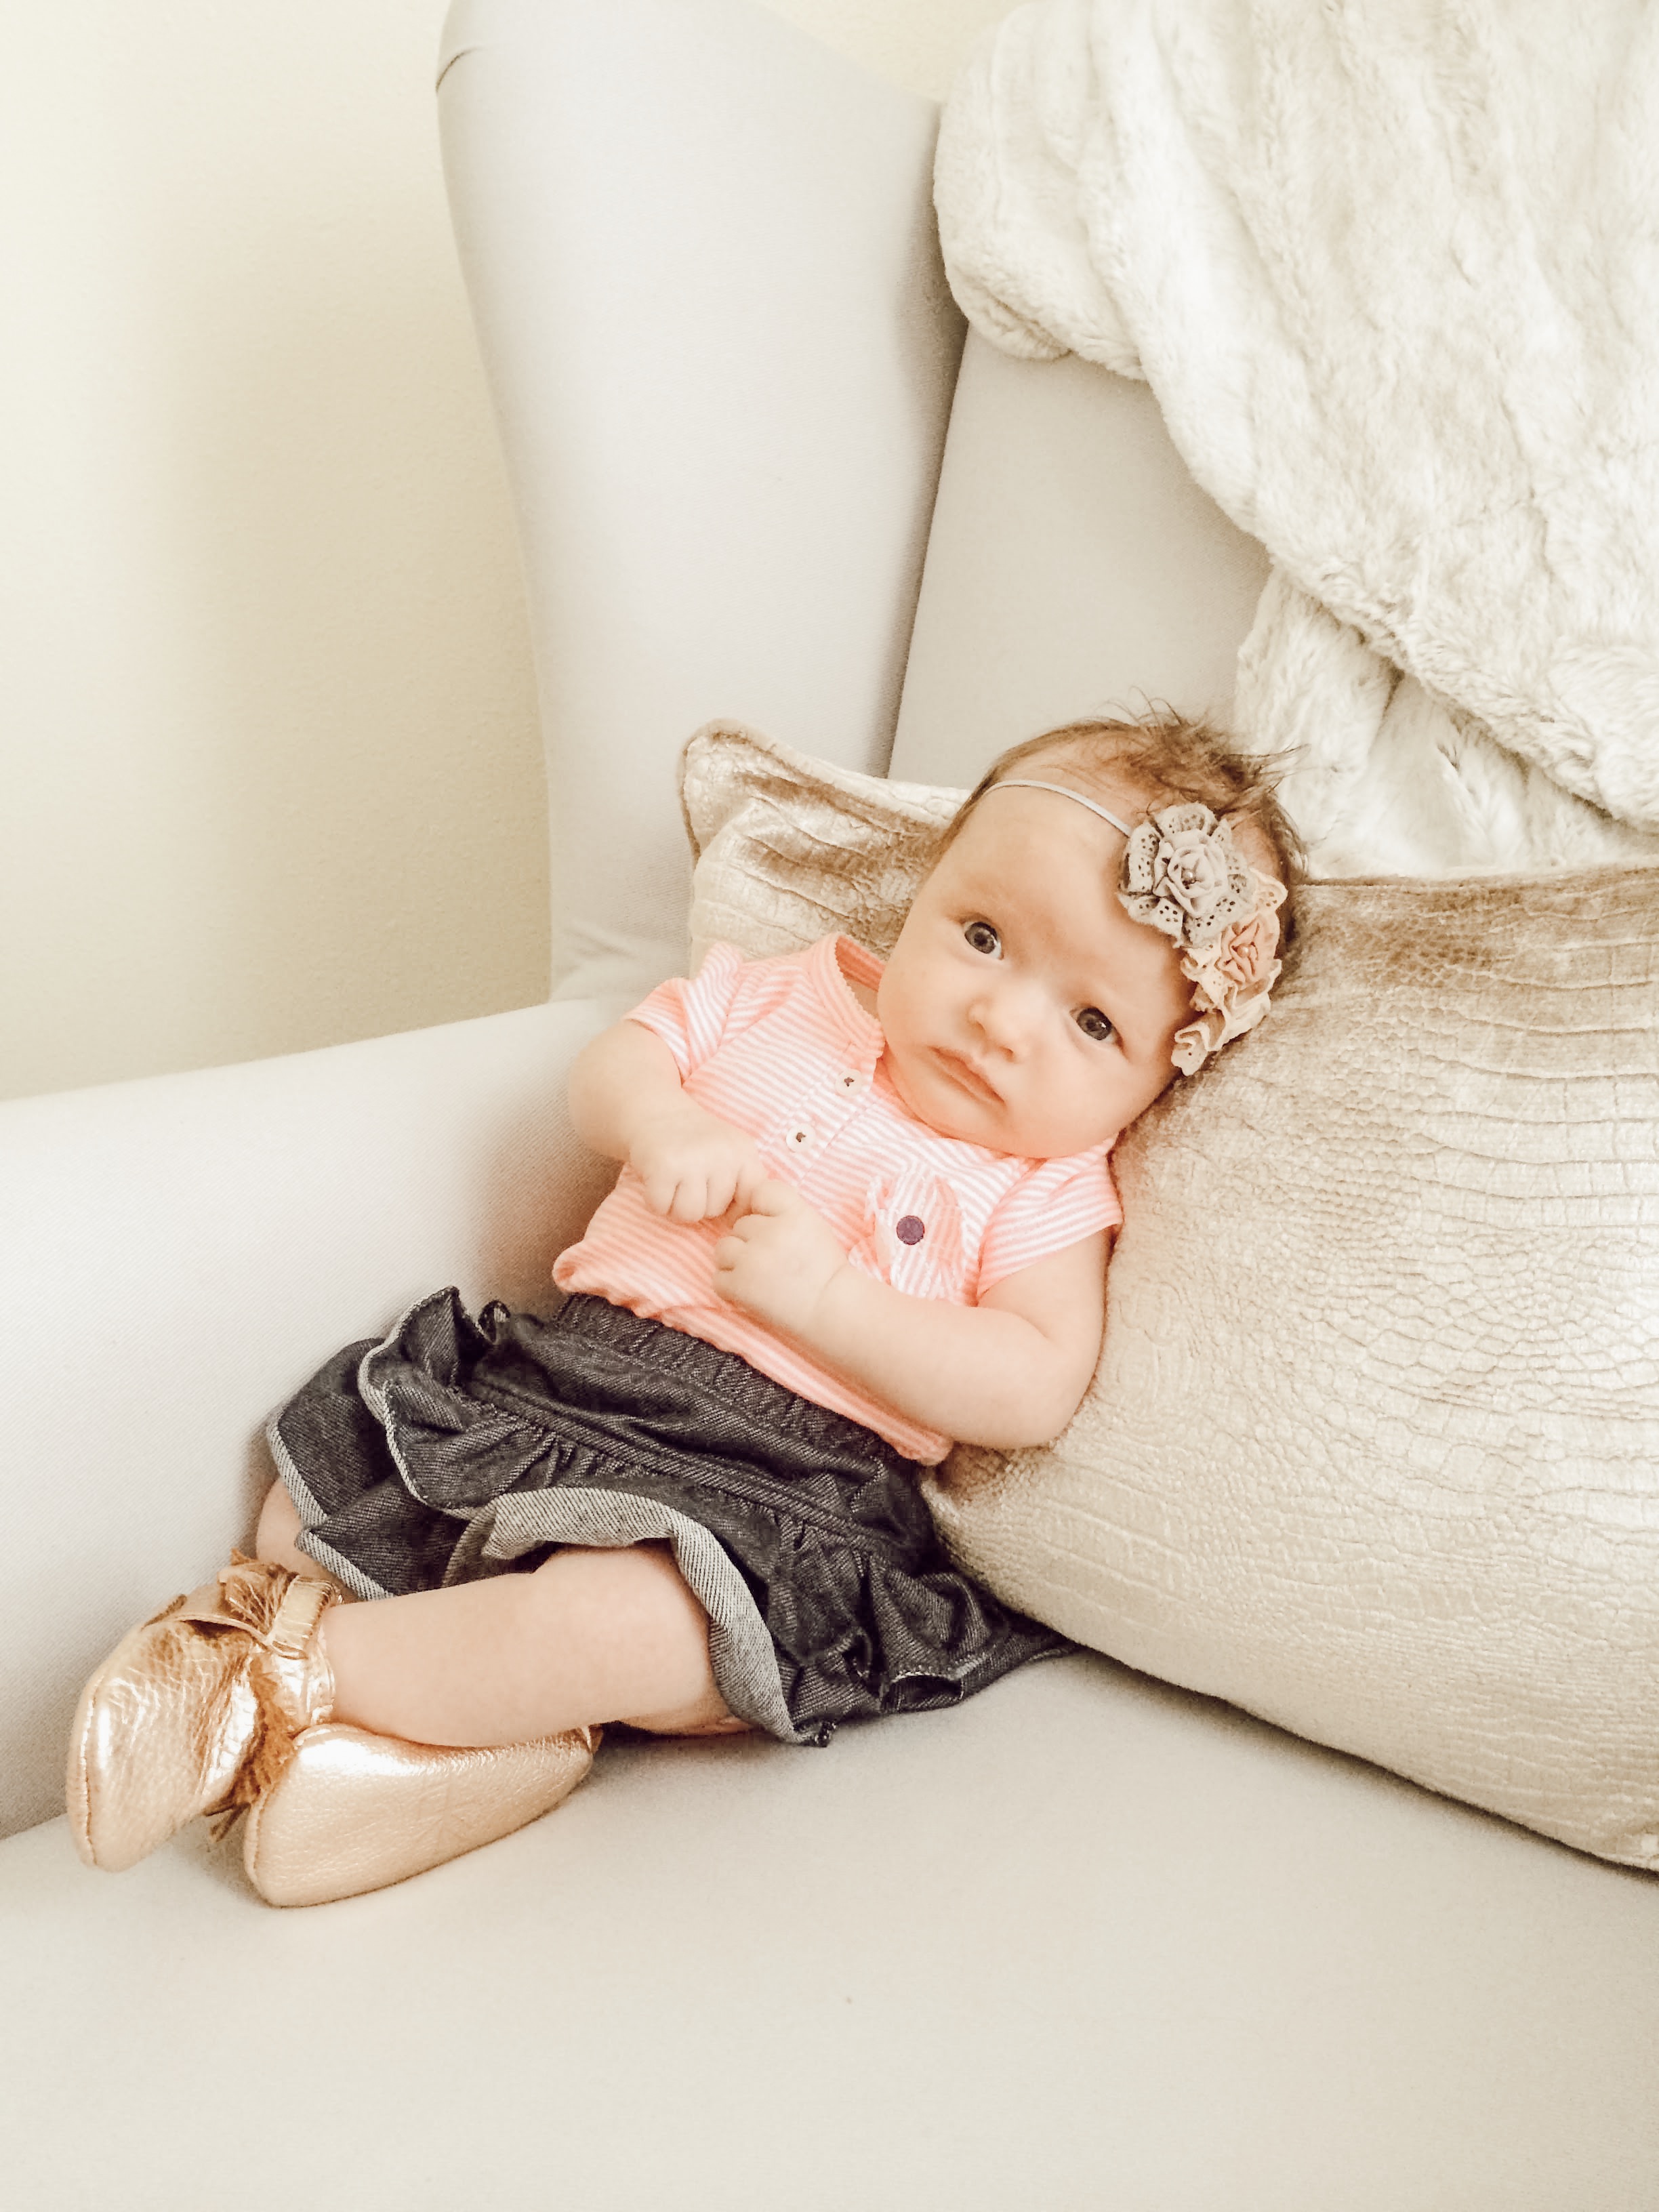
(626, 1617)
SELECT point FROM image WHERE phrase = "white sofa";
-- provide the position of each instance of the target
(1088, 1942)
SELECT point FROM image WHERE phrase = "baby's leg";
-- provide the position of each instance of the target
(591, 1636)
(279, 1524)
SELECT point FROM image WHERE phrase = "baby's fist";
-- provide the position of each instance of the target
(779, 1260)
(693, 1165)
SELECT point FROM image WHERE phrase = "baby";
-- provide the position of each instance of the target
(863, 1211)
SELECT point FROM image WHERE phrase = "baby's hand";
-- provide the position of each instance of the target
(693, 1164)
(779, 1260)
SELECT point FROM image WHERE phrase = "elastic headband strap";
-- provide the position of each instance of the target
(1025, 783)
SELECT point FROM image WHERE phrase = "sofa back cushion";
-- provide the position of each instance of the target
(1073, 566)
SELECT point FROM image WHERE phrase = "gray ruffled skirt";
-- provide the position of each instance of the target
(456, 1449)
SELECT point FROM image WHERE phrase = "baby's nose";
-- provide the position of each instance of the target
(1004, 1016)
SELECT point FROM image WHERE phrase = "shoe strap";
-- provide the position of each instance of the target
(294, 1621)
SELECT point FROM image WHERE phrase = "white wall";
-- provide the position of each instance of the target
(916, 43)
(269, 775)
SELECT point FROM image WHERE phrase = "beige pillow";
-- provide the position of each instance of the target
(789, 850)
(1373, 1447)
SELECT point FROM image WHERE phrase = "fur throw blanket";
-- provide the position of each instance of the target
(1391, 269)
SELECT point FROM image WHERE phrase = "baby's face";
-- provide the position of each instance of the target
(1022, 1009)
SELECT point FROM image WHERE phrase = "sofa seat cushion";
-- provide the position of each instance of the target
(1082, 1941)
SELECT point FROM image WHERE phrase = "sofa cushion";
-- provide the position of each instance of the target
(1373, 1446)
(787, 849)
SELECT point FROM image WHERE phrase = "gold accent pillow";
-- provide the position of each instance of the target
(1373, 1449)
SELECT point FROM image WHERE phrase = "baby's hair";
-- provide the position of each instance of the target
(1167, 760)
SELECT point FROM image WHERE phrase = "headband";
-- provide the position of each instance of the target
(1024, 783)
(1184, 877)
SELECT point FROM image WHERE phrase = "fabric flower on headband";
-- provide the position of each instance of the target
(1184, 876)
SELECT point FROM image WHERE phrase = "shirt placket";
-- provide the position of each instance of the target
(829, 1108)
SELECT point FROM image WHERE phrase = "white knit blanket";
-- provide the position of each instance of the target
(1391, 269)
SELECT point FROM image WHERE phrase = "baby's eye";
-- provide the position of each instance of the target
(983, 939)
(1093, 1024)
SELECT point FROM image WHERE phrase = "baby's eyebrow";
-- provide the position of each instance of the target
(1115, 997)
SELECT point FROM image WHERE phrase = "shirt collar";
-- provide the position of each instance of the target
(831, 961)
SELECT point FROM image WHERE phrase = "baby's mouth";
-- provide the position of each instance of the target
(966, 1077)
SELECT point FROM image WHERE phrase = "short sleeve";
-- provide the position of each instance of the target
(1059, 1203)
(690, 1014)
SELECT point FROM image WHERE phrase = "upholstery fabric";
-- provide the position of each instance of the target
(1074, 568)
(1373, 1447)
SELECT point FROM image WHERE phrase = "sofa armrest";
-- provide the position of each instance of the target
(177, 1254)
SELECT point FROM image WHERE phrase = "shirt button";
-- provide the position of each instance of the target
(909, 1229)
(849, 1082)
(800, 1137)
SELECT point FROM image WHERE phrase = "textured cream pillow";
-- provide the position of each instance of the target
(1373, 1447)
(789, 850)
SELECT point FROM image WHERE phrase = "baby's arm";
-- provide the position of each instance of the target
(627, 1101)
(1010, 1370)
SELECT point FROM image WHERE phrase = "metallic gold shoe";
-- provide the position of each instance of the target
(196, 1710)
(352, 1811)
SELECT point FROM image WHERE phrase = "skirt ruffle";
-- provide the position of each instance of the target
(454, 1449)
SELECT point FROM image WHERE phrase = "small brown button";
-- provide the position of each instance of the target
(909, 1229)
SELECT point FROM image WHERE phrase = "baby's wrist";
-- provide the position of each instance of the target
(838, 1310)
(660, 1125)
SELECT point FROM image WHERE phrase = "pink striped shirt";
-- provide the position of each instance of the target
(782, 1049)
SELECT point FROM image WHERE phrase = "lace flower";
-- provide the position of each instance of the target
(1184, 876)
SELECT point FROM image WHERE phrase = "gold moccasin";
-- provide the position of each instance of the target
(353, 1812)
(196, 1710)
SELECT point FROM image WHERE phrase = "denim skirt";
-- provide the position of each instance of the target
(455, 1448)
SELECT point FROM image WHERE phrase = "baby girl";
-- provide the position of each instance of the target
(863, 1211)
